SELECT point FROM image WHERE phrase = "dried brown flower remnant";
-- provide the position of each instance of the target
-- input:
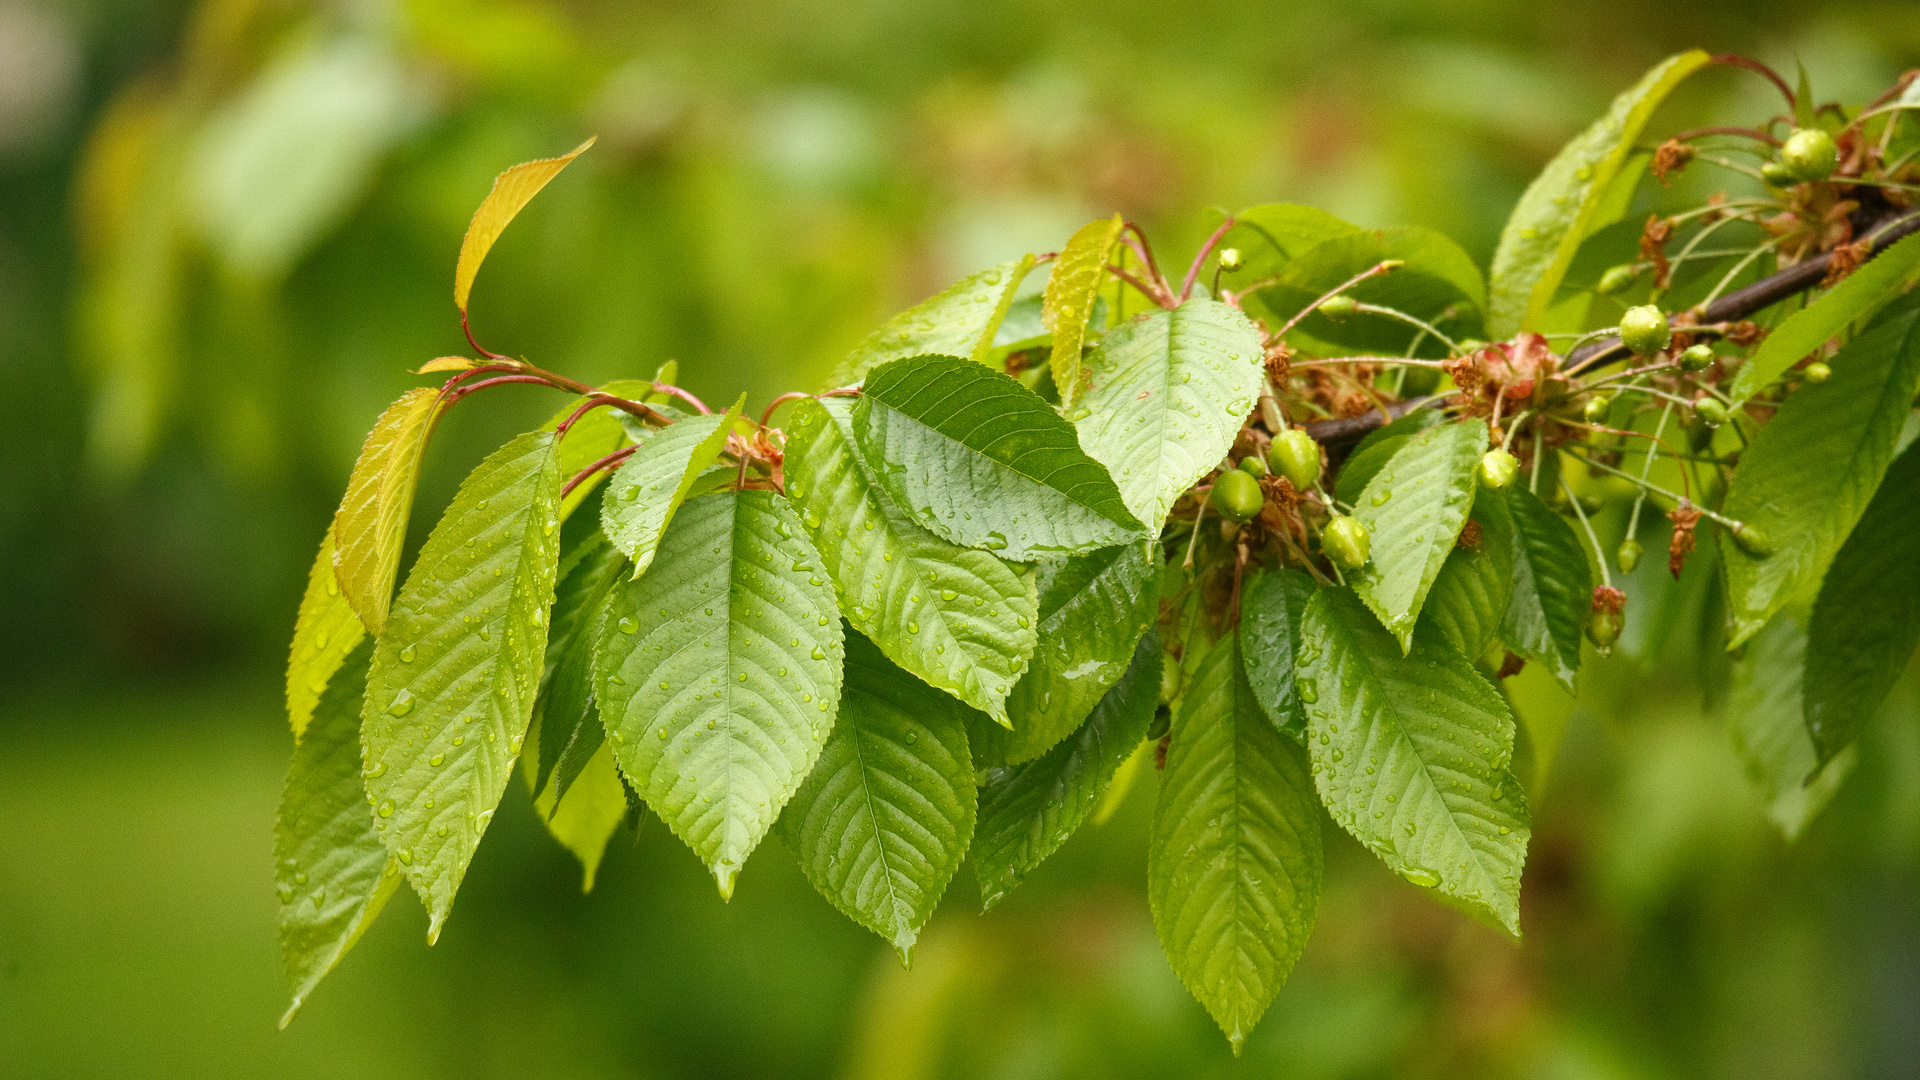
(1470, 536)
(1672, 156)
(1279, 363)
(1745, 333)
(1653, 248)
(1684, 518)
(1511, 666)
(1846, 259)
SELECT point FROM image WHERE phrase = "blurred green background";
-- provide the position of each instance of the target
(228, 228)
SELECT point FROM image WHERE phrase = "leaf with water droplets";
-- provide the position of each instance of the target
(1560, 206)
(1072, 284)
(1272, 605)
(1431, 478)
(960, 321)
(1410, 755)
(333, 873)
(1470, 595)
(370, 527)
(323, 634)
(958, 618)
(643, 495)
(1234, 860)
(477, 641)
(1552, 592)
(1765, 718)
(1168, 393)
(718, 672)
(1378, 448)
(1093, 610)
(882, 822)
(1027, 811)
(984, 462)
(598, 433)
(512, 190)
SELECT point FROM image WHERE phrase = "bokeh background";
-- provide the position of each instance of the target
(228, 228)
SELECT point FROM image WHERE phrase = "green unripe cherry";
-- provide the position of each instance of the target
(1616, 279)
(1294, 455)
(1253, 467)
(1776, 175)
(1595, 410)
(1628, 556)
(1498, 468)
(1816, 372)
(1339, 307)
(1644, 329)
(1752, 540)
(1809, 154)
(1229, 259)
(1346, 542)
(1710, 410)
(1604, 629)
(1696, 358)
(1236, 496)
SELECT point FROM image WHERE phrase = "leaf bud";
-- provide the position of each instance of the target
(1809, 154)
(1644, 329)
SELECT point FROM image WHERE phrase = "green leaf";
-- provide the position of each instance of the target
(1271, 607)
(1470, 596)
(655, 481)
(958, 322)
(1803, 114)
(1552, 592)
(958, 618)
(718, 675)
(1410, 754)
(512, 190)
(1858, 296)
(1093, 611)
(1027, 811)
(881, 823)
(1234, 863)
(323, 634)
(1557, 211)
(370, 527)
(1765, 713)
(1279, 232)
(1810, 472)
(334, 874)
(1413, 510)
(585, 814)
(1378, 448)
(1866, 622)
(1437, 274)
(1169, 392)
(983, 462)
(563, 713)
(1068, 300)
(455, 674)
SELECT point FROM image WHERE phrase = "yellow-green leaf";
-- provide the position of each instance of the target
(1068, 299)
(446, 363)
(512, 190)
(961, 322)
(585, 815)
(323, 634)
(371, 525)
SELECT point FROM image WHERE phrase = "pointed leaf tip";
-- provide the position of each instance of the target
(512, 190)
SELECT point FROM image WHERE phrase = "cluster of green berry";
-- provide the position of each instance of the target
(1294, 455)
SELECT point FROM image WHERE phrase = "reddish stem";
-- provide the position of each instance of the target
(669, 388)
(1751, 133)
(1374, 271)
(1144, 249)
(776, 403)
(1736, 60)
(477, 347)
(1193, 272)
(1153, 293)
(609, 461)
(462, 391)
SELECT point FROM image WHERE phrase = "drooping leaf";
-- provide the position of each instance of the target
(1436, 274)
(563, 713)
(718, 674)
(1552, 592)
(1234, 862)
(1093, 611)
(1028, 810)
(455, 675)
(1857, 297)
(323, 634)
(1413, 509)
(1469, 599)
(512, 190)
(370, 527)
(958, 322)
(1168, 394)
(1765, 713)
(1068, 299)
(983, 462)
(1545, 229)
(1410, 753)
(1272, 605)
(334, 874)
(1810, 472)
(881, 823)
(1866, 622)
(656, 480)
(585, 814)
(1373, 452)
(958, 618)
